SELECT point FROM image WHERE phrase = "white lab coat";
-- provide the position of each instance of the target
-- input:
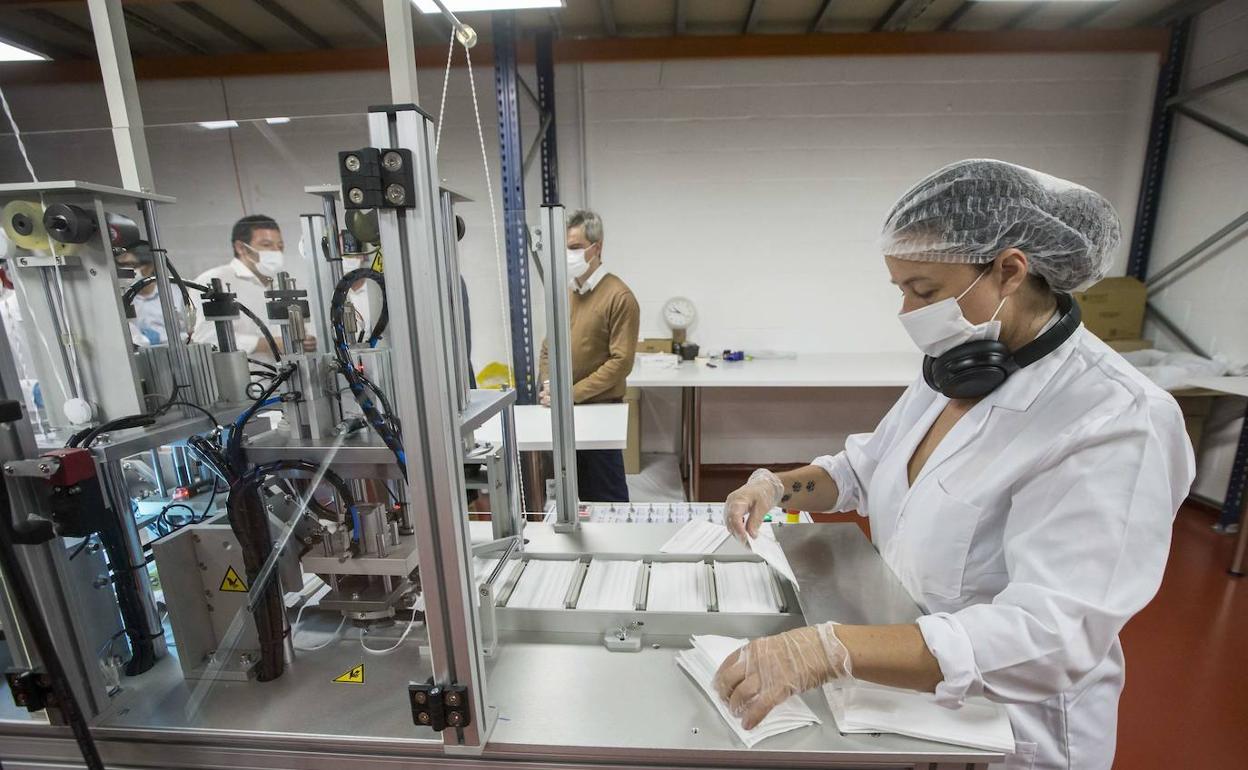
(148, 326)
(238, 279)
(1036, 529)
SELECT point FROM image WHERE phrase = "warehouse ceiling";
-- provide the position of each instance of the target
(61, 29)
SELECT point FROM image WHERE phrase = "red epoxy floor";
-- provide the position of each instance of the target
(1185, 704)
(1186, 700)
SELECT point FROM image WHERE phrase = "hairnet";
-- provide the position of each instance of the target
(972, 210)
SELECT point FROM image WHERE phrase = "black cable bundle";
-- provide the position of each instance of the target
(383, 422)
(250, 523)
(137, 286)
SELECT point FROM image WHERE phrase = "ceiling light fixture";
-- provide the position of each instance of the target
(214, 124)
(11, 52)
(472, 6)
(276, 121)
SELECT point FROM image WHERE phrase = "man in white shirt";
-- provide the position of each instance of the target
(148, 325)
(258, 257)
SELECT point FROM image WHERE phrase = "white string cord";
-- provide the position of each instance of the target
(386, 651)
(17, 134)
(446, 80)
(294, 633)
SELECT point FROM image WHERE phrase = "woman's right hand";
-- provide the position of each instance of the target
(745, 508)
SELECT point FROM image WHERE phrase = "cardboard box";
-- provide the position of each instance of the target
(1195, 405)
(655, 345)
(1113, 309)
(1129, 346)
(632, 447)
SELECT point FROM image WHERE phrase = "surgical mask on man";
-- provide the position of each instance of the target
(939, 327)
(270, 262)
(576, 263)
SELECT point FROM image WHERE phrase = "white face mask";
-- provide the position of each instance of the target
(939, 327)
(270, 262)
(576, 264)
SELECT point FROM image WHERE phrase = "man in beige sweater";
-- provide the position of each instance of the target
(604, 318)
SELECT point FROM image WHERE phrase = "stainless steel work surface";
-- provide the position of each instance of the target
(583, 701)
(305, 700)
(843, 577)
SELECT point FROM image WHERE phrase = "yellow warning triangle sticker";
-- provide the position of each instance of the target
(354, 676)
(232, 582)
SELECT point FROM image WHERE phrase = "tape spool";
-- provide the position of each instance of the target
(22, 221)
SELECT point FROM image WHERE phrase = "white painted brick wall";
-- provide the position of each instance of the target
(1206, 186)
(756, 188)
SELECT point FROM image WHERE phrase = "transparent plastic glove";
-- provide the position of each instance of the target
(745, 508)
(767, 671)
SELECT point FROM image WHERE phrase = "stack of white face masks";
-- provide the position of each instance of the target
(609, 585)
(696, 537)
(745, 586)
(543, 584)
(863, 707)
(701, 663)
(679, 587)
(766, 546)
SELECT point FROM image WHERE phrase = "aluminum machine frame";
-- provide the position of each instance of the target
(466, 643)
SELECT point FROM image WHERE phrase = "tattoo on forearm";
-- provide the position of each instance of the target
(810, 486)
(786, 498)
(797, 486)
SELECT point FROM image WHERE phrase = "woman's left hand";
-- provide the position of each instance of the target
(766, 672)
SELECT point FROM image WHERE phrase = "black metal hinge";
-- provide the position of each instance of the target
(438, 707)
(373, 178)
(32, 690)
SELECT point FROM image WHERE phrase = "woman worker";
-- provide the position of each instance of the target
(1023, 489)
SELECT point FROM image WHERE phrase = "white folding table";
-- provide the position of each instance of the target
(1232, 386)
(598, 426)
(823, 370)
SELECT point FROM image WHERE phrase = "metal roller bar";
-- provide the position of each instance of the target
(504, 595)
(575, 584)
(713, 594)
(642, 590)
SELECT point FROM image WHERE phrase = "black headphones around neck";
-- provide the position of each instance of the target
(975, 369)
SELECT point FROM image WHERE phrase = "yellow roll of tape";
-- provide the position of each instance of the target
(23, 223)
